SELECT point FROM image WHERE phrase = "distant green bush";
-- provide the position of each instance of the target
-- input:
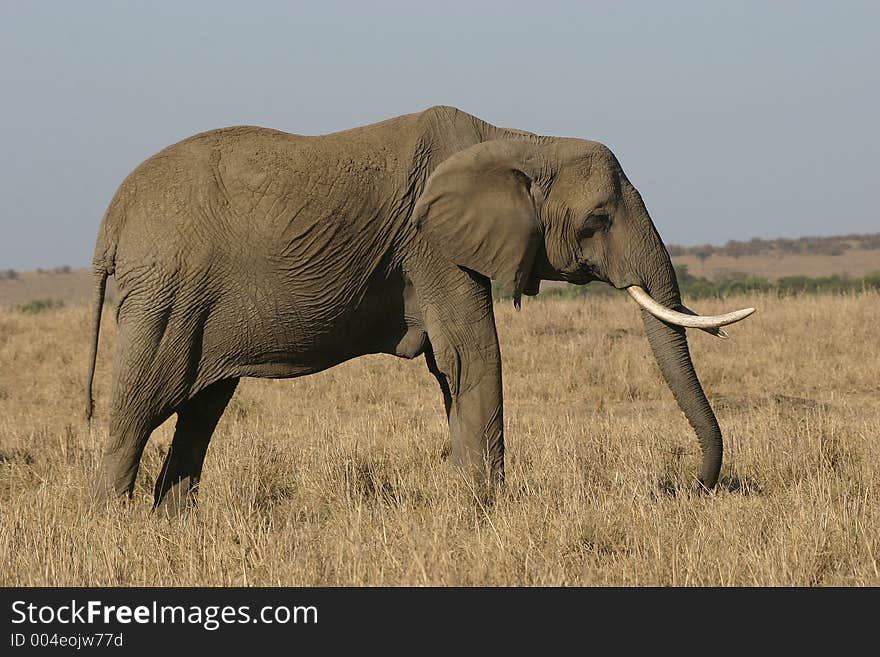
(570, 290)
(738, 283)
(566, 291)
(39, 305)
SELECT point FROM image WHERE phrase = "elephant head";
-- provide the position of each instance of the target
(522, 208)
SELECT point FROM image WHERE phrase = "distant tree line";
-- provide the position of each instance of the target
(801, 246)
(732, 283)
(11, 274)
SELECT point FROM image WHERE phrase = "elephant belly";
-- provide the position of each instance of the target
(290, 363)
(411, 345)
(300, 339)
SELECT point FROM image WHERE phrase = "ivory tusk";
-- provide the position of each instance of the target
(718, 332)
(710, 323)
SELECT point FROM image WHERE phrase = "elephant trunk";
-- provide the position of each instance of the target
(670, 347)
(669, 344)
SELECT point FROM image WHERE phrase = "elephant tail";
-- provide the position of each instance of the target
(100, 281)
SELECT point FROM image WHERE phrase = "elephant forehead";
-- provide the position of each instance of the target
(586, 183)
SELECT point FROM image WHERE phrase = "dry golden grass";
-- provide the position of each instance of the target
(74, 286)
(341, 478)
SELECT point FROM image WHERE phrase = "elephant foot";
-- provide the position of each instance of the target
(106, 495)
(699, 488)
(104, 499)
(490, 491)
(484, 483)
(176, 499)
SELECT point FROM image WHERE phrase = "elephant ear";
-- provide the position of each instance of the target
(480, 209)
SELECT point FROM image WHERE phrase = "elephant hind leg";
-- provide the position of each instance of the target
(155, 371)
(178, 482)
(133, 417)
(121, 459)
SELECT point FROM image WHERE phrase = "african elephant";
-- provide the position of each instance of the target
(248, 252)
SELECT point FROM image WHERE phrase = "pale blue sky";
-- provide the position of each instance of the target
(733, 119)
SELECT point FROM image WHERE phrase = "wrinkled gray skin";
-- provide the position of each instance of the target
(251, 252)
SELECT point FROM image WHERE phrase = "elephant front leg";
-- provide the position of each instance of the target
(470, 378)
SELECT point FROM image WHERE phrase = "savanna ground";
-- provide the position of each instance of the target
(342, 478)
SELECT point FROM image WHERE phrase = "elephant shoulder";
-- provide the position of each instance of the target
(451, 125)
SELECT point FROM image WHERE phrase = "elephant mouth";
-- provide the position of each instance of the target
(582, 276)
(685, 316)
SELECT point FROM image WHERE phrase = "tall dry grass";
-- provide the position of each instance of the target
(341, 478)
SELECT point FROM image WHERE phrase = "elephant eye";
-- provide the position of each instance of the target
(598, 220)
